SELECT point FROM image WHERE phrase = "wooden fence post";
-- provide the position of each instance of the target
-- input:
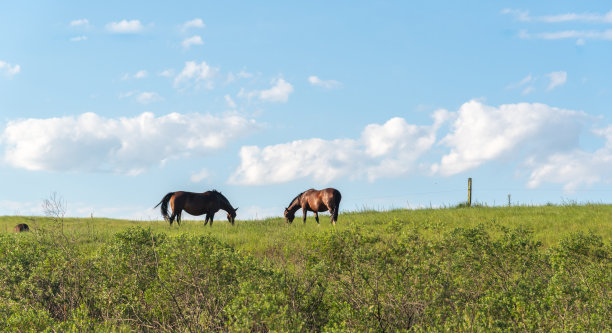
(469, 201)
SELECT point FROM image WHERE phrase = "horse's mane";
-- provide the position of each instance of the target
(222, 197)
(297, 196)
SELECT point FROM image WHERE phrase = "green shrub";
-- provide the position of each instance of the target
(485, 278)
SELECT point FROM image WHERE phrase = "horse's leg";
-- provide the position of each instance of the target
(212, 216)
(206, 220)
(333, 211)
(305, 211)
(178, 218)
(172, 218)
(317, 217)
(336, 211)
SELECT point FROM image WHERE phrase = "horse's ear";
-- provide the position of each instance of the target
(236, 209)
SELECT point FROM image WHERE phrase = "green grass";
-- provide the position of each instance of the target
(549, 224)
(524, 268)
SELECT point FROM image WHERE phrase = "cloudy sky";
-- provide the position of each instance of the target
(113, 104)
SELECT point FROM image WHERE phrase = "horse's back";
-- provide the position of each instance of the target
(322, 200)
(196, 198)
(331, 194)
(184, 196)
(202, 203)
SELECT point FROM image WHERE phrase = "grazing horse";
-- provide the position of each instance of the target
(21, 228)
(315, 201)
(196, 204)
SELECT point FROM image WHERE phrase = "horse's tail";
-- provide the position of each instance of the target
(337, 198)
(164, 205)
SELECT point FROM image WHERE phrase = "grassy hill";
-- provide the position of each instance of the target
(480, 268)
(547, 223)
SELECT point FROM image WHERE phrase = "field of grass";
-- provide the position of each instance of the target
(480, 268)
(548, 223)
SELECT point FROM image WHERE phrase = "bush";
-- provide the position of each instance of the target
(340, 281)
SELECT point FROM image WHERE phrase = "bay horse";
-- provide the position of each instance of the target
(21, 228)
(196, 204)
(315, 201)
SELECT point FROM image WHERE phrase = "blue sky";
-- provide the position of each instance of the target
(111, 105)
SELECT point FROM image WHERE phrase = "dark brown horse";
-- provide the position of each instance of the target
(315, 201)
(21, 228)
(196, 204)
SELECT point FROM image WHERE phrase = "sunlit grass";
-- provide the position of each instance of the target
(548, 223)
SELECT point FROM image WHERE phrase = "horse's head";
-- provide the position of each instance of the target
(289, 215)
(231, 215)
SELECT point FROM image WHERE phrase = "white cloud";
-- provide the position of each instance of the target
(130, 212)
(538, 138)
(561, 18)
(141, 74)
(128, 94)
(193, 74)
(92, 143)
(20, 208)
(8, 69)
(289, 161)
(278, 93)
(327, 84)
(167, 73)
(386, 150)
(527, 90)
(230, 102)
(396, 146)
(572, 169)
(231, 77)
(78, 38)
(195, 23)
(194, 40)
(79, 23)
(576, 167)
(125, 27)
(579, 35)
(573, 17)
(526, 80)
(484, 133)
(528, 83)
(148, 97)
(520, 15)
(556, 79)
(199, 176)
(259, 213)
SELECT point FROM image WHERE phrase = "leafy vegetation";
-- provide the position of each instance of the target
(456, 269)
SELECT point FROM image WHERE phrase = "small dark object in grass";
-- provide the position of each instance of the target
(22, 227)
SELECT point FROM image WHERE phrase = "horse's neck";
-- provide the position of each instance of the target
(225, 205)
(295, 204)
